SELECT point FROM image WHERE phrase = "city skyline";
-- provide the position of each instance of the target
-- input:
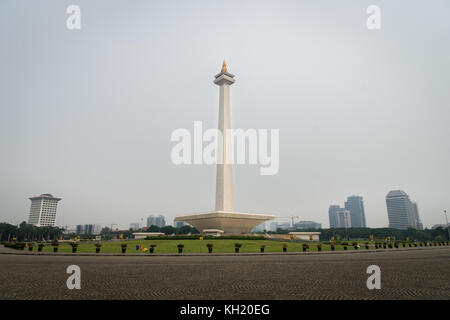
(161, 218)
(87, 114)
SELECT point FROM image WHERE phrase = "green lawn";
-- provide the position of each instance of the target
(192, 246)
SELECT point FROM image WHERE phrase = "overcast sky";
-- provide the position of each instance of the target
(86, 115)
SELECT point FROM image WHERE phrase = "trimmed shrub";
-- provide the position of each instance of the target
(74, 246)
(20, 245)
(55, 246)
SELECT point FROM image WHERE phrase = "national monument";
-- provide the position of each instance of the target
(224, 217)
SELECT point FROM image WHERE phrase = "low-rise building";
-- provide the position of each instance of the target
(307, 236)
(213, 232)
(143, 235)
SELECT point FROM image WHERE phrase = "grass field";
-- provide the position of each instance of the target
(193, 246)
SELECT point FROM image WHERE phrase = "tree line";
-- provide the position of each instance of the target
(377, 233)
(107, 233)
(28, 232)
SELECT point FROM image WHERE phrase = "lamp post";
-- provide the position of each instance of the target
(446, 220)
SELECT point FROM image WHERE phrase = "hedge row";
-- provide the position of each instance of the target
(197, 237)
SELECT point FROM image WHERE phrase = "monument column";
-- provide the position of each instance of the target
(224, 218)
(224, 178)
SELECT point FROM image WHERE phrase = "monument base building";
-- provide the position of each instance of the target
(229, 222)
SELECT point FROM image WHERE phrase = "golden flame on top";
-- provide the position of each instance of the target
(224, 66)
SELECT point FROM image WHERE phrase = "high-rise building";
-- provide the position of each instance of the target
(88, 229)
(402, 213)
(69, 230)
(179, 224)
(343, 219)
(43, 210)
(355, 205)
(158, 221)
(416, 219)
(332, 215)
(307, 225)
(135, 226)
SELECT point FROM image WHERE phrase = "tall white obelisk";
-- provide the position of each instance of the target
(224, 178)
(224, 218)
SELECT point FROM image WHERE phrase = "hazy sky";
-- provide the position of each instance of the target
(87, 114)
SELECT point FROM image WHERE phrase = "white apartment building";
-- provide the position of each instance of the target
(43, 210)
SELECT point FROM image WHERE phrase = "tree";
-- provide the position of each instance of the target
(169, 230)
(188, 229)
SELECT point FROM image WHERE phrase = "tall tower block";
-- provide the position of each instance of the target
(43, 210)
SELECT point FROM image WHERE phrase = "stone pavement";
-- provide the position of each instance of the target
(405, 274)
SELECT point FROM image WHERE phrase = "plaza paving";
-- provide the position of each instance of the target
(416, 273)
